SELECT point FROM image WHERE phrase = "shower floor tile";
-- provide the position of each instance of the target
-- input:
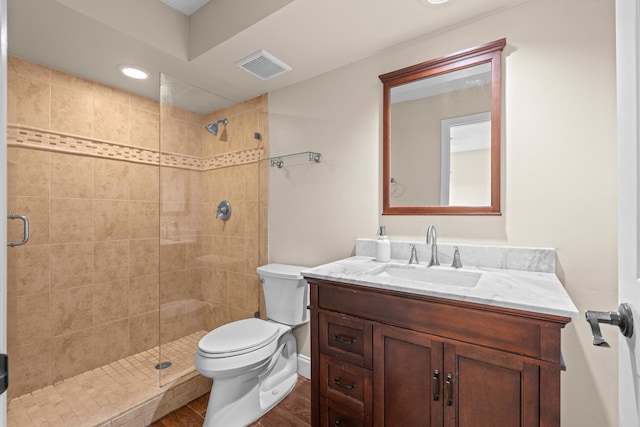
(127, 392)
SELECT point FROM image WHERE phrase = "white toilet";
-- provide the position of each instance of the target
(253, 362)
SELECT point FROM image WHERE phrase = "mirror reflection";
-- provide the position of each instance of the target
(441, 133)
(442, 136)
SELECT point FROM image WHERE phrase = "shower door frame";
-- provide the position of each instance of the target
(3, 196)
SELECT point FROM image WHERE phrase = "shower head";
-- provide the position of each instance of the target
(212, 128)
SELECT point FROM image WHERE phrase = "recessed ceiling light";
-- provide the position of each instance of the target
(425, 2)
(133, 72)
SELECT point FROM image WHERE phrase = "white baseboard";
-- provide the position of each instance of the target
(304, 366)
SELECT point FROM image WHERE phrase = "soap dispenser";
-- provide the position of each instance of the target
(383, 246)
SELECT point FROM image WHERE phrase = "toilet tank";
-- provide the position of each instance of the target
(286, 293)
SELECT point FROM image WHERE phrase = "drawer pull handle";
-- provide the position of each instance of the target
(337, 423)
(337, 382)
(348, 341)
(449, 394)
(436, 385)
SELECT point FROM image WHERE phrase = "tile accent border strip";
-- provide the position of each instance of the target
(40, 139)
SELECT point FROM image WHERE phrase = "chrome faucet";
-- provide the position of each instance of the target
(413, 259)
(432, 238)
(456, 258)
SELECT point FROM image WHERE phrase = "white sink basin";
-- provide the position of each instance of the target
(437, 275)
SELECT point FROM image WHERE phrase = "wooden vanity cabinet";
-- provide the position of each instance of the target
(384, 358)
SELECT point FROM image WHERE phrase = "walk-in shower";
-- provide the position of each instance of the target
(212, 128)
(145, 270)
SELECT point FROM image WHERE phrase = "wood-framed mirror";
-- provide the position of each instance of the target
(441, 135)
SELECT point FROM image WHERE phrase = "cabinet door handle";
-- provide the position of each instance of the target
(337, 423)
(449, 391)
(436, 385)
(337, 382)
(348, 341)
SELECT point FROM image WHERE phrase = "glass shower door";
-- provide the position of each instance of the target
(183, 311)
(210, 161)
(82, 294)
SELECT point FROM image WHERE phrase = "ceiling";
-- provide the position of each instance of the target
(91, 38)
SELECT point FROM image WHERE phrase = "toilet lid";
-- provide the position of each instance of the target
(238, 337)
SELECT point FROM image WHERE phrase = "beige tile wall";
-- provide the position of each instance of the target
(233, 249)
(49, 99)
(77, 294)
(87, 288)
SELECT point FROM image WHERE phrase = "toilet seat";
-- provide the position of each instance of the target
(236, 338)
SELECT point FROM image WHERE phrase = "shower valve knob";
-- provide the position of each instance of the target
(224, 210)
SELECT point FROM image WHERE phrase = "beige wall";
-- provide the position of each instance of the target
(559, 168)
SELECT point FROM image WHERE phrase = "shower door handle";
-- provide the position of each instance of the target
(25, 234)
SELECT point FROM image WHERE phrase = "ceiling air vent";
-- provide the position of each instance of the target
(263, 65)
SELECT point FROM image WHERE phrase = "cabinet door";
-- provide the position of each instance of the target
(407, 378)
(488, 389)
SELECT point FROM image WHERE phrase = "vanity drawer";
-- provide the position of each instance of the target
(346, 338)
(345, 383)
(333, 414)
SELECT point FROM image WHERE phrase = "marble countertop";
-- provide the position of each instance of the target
(522, 290)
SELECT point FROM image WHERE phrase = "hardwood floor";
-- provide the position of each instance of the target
(294, 411)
